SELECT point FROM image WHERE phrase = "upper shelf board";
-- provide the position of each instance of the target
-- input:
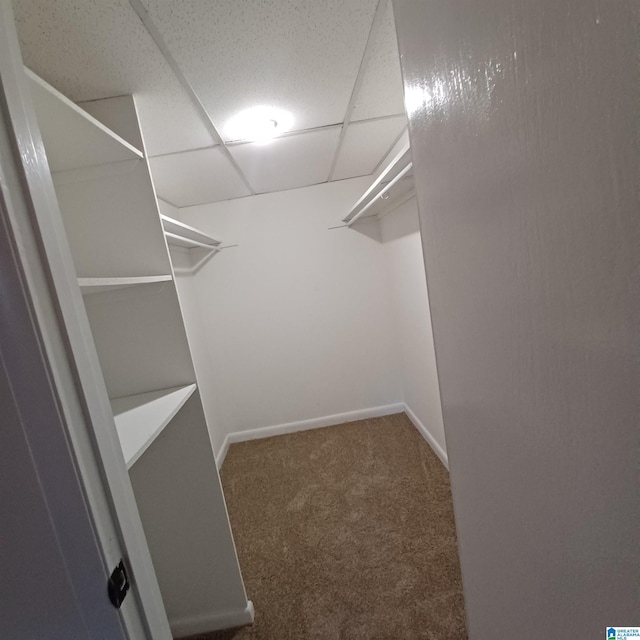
(98, 285)
(180, 234)
(141, 418)
(392, 181)
(72, 138)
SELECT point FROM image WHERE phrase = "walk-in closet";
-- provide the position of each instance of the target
(237, 288)
(266, 268)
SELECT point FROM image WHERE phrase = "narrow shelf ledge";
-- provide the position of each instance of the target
(402, 191)
(182, 235)
(197, 245)
(73, 139)
(141, 418)
(89, 286)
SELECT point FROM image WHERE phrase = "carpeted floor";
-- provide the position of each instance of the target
(345, 533)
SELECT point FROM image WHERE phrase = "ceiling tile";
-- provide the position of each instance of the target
(289, 162)
(196, 177)
(98, 49)
(381, 93)
(365, 144)
(298, 55)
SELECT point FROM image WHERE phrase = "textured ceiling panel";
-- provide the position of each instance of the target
(90, 49)
(298, 55)
(365, 145)
(381, 92)
(196, 177)
(290, 162)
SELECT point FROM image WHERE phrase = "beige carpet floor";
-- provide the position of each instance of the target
(345, 533)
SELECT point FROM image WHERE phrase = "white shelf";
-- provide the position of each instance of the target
(98, 285)
(72, 138)
(399, 193)
(393, 184)
(141, 418)
(180, 234)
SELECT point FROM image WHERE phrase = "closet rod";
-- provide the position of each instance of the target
(382, 191)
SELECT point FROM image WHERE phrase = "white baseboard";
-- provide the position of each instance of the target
(426, 434)
(304, 425)
(327, 421)
(213, 622)
(222, 454)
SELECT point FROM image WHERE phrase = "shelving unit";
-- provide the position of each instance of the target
(141, 418)
(393, 186)
(199, 246)
(143, 366)
(90, 286)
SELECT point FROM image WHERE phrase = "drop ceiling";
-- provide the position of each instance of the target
(193, 64)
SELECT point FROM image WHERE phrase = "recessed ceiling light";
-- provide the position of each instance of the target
(258, 124)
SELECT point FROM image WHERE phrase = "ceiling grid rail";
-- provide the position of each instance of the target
(297, 132)
(324, 127)
(156, 36)
(366, 55)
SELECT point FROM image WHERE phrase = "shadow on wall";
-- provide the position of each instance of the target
(406, 223)
(368, 227)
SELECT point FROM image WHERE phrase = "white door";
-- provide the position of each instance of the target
(67, 511)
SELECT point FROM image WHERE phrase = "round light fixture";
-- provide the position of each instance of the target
(258, 124)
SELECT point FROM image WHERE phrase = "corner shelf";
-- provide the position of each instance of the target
(198, 246)
(182, 235)
(74, 139)
(395, 182)
(89, 286)
(141, 418)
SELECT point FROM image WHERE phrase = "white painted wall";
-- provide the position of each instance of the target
(523, 121)
(297, 318)
(408, 294)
